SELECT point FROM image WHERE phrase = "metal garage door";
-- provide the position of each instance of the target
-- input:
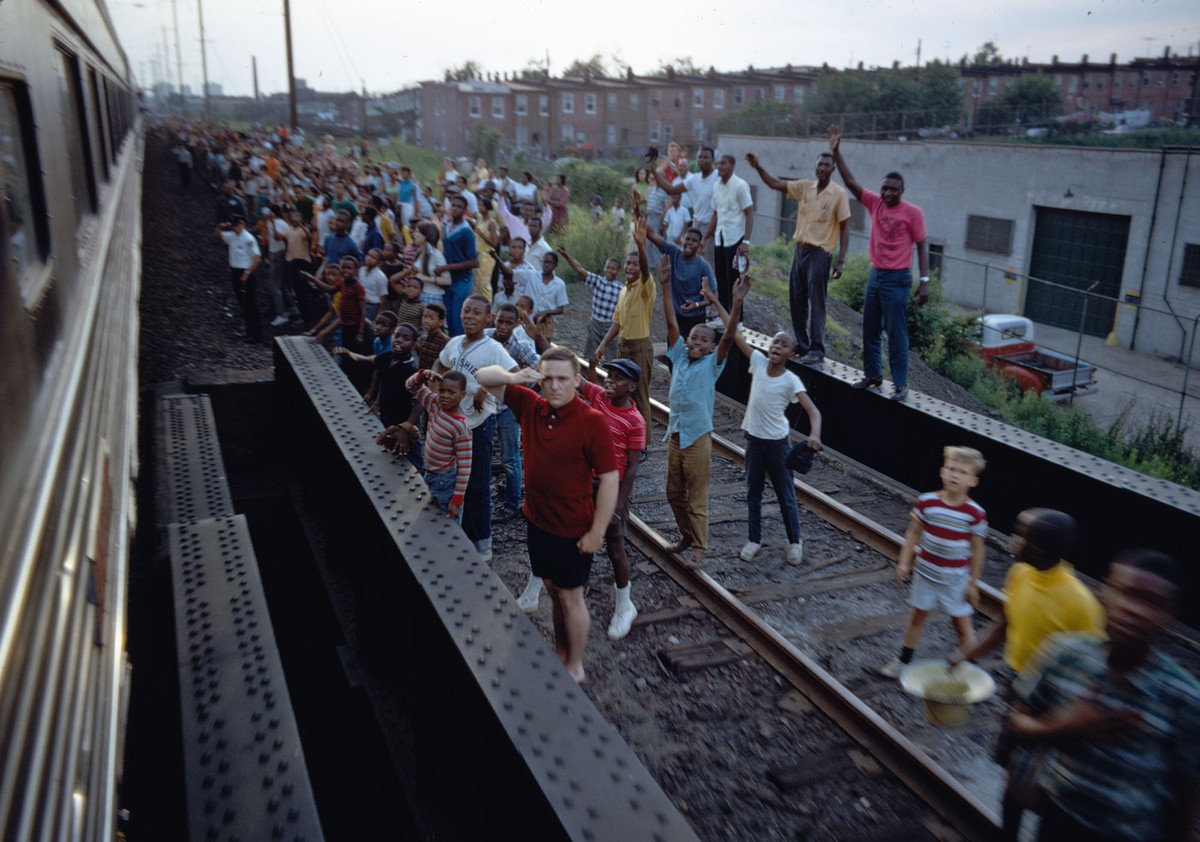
(1076, 249)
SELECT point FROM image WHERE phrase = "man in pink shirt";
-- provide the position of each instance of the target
(896, 226)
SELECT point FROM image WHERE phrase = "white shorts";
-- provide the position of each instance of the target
(950, 597)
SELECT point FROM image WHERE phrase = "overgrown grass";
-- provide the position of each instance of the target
(591, 243)
(941, 336)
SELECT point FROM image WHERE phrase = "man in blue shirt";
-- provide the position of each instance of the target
(339, 243)
(688, 271)
(695, 367)
(461, 261)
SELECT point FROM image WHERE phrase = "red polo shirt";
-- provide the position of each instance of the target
(561, 448)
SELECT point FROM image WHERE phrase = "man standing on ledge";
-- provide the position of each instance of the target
(895, 227)
(822, 211)
(566, 443)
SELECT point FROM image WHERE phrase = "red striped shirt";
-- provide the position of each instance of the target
(447, 443)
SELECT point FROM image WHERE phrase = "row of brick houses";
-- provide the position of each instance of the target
(549, 115)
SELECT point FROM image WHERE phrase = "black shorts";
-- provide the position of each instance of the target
(557, 559)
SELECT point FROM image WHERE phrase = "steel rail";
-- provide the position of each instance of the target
(932, 784)
(860, 527)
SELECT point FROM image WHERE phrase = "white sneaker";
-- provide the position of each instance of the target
(485, 556)
(528, 600)
(892, 668)
(622, 621)
(749, 551)
(279, 320)
(795, 554)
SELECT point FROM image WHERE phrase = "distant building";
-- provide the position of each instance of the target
(215, 89)
(1166, 86)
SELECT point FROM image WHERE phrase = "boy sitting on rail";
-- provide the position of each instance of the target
(447, 438)
(696, 363)
(946, 536)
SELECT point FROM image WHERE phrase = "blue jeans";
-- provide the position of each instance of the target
(441, 486)
(885, 308)
(509, 431)
(477, 510)
(767, 457)
(455, 295)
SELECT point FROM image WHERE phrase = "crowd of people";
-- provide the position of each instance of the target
(440, 300)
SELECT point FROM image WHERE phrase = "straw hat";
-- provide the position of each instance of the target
(948, 692)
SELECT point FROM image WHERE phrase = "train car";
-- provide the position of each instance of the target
(70, 233)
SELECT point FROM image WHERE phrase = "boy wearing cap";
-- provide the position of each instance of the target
(615, 401)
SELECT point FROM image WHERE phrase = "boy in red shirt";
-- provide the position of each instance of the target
(447, 438)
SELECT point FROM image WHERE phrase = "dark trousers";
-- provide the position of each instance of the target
(247, 295)
(477, 508)
(727, 273)
(686, 323)
(808, 283)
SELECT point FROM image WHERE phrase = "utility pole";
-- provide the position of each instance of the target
(254, 70)
(287, 28)
(178, 57)
(166, 59)
(203, 57)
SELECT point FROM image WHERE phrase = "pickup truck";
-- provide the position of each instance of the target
(1006, 344)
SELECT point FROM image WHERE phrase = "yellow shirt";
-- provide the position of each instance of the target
(386, 227)
(819, 216)
(1044, 602)
(635, 307)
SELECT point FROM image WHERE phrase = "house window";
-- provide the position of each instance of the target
(778, 92)
(568, 133)
(1117, 82)
(1175, 79)
(986, 233)
(610, 134)
(522, 135)
(655, 131)
(1072, 84)
(993, 86)
(668, 132)
(718, 99)
(498, 107)
(798, 94)
(568, 103)
(1189, 276)
(698, 128)
(697, 97)
(522, 106)
(739, 96)
(635, 102)
(677, 98)
(474, 106)
(438, 108)
(612, 103)
(589, 103)
(655, 98)
(758, 94)
(544, 105)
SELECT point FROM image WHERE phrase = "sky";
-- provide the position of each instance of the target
(386, 46)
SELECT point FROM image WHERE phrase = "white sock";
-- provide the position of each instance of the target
(533, 589)
(622, 597)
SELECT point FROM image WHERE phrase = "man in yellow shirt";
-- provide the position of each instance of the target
(822, 209)
(631, 320)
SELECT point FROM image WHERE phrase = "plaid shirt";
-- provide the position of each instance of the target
(604, 296)
(1119, 788)
(521, 350)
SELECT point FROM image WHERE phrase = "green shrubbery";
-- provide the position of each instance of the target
(586, 179)
(591, 243)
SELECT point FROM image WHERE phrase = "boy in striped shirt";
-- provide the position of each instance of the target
(946, 537)
(447, 438)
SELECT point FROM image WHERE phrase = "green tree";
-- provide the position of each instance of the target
(682, 65)
(1028, 100)
(594, 65)
(487, 142)
(465, 72)
(770, 119)
(940, 94)
(988, 53)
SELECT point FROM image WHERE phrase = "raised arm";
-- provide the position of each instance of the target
(664, 272)
(640, 232)
(494, 378)
(575, 264)
(835, 146)
(731, 333)
(768, 179)
(670, 189)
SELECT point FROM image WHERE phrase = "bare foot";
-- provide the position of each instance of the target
(578, 674)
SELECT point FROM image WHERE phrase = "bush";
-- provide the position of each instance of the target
(851, 287)
(590, 243)
(586, 179)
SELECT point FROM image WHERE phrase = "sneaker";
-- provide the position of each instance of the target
(749, 551)
(795, 554)
(868, 383)
(812, 358)
(280, 320)
(504, 514)
(899, 393)
(528, 600)
(892, 668)
(622, 621)
(485, 556)
(679, 546)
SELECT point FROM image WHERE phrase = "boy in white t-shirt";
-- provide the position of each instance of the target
(772, 388)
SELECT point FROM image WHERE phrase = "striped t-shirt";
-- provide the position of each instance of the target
(448, 443)
(946, 533)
